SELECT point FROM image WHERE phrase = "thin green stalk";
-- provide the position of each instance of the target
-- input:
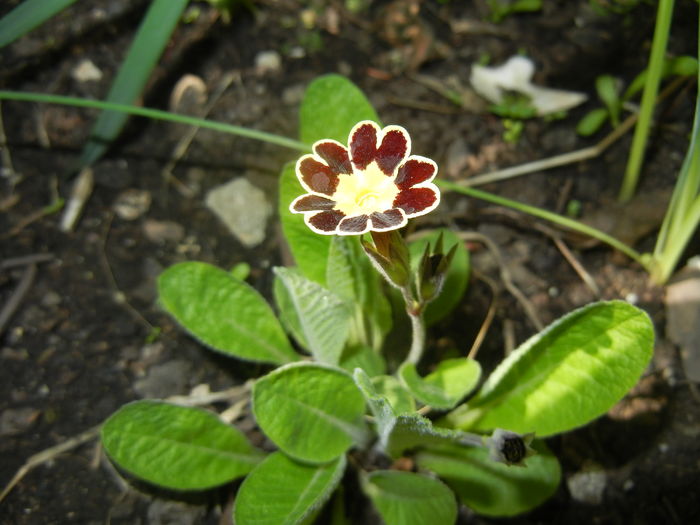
(549, 216)
(646, 110)
(158, 115)
(415, 314)
(683, 213)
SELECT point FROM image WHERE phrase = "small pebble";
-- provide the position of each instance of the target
(132, 204)
(268, 62)
(243, 208)
(86, 71)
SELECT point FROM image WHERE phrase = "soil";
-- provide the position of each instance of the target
(83, 341)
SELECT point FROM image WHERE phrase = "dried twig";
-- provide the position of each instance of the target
(17, 296)
(505, 276)
(490, 314)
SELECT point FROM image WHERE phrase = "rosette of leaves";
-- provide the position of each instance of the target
(330, 395)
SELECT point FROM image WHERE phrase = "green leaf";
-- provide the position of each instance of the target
(592, 122)
(491, 488)
(457, 276)
(398, 433)
(318, 317)
(446, 386)
(407, 498)
(567, 375)
(28, 15)
(153, 35)
(332, 105)
(310, 250)
(606, 86)
(379, 405)
(391, 388)
(412, 431)
(224, 313)
(364, 357)
(181, 448)
(312, 412)
(281, 491)
(355, 279)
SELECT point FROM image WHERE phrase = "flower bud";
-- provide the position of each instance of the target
(432, 270)
(510, 448)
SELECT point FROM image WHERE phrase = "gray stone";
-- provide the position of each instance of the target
(588, 486)
(243, 208)
(683, 320)
(165, 379)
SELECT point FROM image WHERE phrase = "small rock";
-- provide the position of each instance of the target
(50, 299)
(457, 158)
(17, 420)
(86, 71)
(588, 486)
(683, 320)
(165, 379)
(132, 203)
(243, 208)
(268, 62)
(162, 512)
(163, 231)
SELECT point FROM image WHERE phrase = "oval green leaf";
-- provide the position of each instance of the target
(399, 398)
(181, 448)
(567, 375)
(317, 317)
(491, 488)
(444, 387)
(457, 276)
(332, 105)
(281, 491)
(408, 498)
(311, 411)
(224, 313)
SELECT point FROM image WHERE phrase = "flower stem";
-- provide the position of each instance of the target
(415, 314)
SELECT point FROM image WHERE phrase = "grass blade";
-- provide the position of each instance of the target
(154, 33)
(28, 15)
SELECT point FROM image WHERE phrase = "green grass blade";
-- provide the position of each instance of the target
(546, 215)
(651, 87)
(154, 33)
(28, 15)
(157, 114)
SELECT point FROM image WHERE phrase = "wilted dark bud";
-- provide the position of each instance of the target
(510, 448)
(432, 270)
(390, 256)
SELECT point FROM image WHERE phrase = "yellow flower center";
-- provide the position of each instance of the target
(365, 192)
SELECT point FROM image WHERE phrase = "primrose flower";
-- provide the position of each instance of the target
(372, 185)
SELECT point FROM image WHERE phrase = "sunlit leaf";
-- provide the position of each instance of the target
(492, 488)
(332, 105)
(444, 387)
(318, 316)
(311, 411)
(567, 375)
(407, 498)
(181, 448)
(224, 313)
(283, 491)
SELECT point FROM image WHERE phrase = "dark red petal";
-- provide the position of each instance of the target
(326, 221)
(392, 151)
(415, 200)
(317, 176)
(414, 172)
(313, 203)
(387, 220)
(357, 224)
(363, 145)
(335, 155)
